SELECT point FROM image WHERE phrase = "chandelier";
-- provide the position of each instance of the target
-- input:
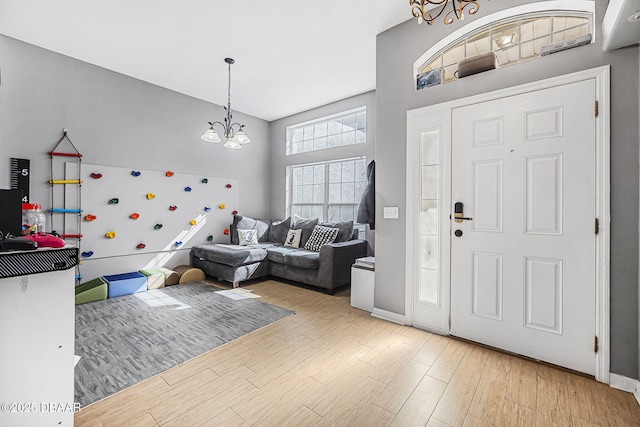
(234, 138)
(419, 9)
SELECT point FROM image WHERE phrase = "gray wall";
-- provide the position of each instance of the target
(399, 47)
(279, 159)
(115, 120)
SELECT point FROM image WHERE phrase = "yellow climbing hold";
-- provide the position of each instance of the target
(222, 206)
(193, 222)
(110, 234)
(150, 196)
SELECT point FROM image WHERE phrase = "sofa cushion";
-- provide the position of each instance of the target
(247, 237)
(278, 230)
(345, 229)
(320, 237)
(277, 253)
(306, 225)
(293, 238)
(246, 223)
(229, 255)
(302, 258)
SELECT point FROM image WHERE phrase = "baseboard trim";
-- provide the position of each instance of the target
(389, 316)
(623, 383)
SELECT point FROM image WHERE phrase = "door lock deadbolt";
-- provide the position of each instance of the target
(458, 213)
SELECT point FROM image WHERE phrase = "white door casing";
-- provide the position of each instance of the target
(435, 317)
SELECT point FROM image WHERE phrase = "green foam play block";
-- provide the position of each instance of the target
(94, 290)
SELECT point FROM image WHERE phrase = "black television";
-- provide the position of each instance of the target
(11, 212)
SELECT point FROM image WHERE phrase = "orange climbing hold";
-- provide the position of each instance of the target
(134, 215)
(169, 173)
(226, 231)
(90, 217)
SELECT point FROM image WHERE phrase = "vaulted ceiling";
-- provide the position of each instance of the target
(282, 48)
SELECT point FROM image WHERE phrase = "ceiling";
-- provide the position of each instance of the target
(282, 48)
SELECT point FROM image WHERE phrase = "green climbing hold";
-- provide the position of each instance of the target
(210, 239)
(204, 180)
(114, 201)
(157, 227)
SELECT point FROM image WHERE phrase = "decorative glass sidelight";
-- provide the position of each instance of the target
(428, 290)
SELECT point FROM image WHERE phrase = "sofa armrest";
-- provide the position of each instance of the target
(336, 260)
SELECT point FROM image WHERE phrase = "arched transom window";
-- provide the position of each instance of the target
(513, 40)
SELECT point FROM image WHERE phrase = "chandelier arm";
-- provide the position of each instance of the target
(419, 9)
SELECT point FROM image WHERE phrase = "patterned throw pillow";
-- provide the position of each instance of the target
(247, 237)
(321, 236)
(293, 238)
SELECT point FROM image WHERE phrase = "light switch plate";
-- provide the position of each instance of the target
(391, 212)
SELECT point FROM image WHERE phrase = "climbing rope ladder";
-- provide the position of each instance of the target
(62, 206)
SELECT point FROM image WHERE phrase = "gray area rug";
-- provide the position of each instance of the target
(127, 339)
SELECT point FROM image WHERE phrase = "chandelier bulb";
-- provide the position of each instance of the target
(420, 20)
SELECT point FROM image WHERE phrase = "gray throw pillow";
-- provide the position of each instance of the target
(345, 229)
(246, 223)
(278, 230)
(307, 226)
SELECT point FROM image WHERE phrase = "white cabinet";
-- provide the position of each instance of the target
(37, 324)
(362, 284)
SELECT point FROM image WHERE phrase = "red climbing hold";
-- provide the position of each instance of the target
(96, 175)
(141, 246)
(173, 208)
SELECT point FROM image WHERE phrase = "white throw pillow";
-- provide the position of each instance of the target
(247, 237)
(293, 238)
(321, 236)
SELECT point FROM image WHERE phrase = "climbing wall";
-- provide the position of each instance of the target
(131, 211)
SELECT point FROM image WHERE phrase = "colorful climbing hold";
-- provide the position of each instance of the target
(204, 180)
(169, 174)
(136, 173)
(222, 206)
(209, 238)
(114, 201)
(87, 254)
(187, 189)
(193, 222)
(157, 226)
(134, 215)
(178, 243)
(226, 231)
(150, 196)
(141, 246)
(110, 234)
(90, 217)
(173, 208)
(96, 175)
(207, 209)
(234, 213)
(228, 185)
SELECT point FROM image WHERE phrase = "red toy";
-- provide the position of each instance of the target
(45, 240)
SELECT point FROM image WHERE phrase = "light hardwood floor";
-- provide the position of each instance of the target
(333, 365)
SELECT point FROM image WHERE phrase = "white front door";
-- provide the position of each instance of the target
(523, 265)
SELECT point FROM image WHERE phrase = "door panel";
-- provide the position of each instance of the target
(523, 268)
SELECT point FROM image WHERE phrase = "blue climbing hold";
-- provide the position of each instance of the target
(87, 254)
(187, 189)
(207, 209)
(136, 173)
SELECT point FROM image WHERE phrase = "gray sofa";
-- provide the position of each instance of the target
(328, 268)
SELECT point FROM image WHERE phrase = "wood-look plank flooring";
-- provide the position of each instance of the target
(334, 365)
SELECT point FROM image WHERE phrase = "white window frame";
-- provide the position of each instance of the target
(483, 23)
(300, 126)
(325, 204)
